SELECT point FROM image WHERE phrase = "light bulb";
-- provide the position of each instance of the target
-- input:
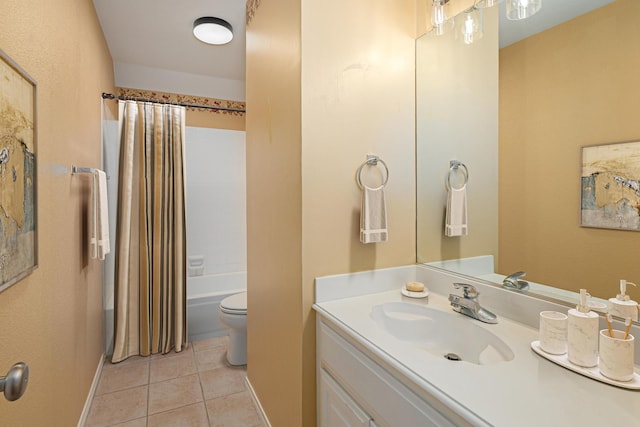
(439, 14)
(487, 3)
(469, 29)
(522, 9)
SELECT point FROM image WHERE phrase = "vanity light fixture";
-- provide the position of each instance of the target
(522, 9)
(469, 26)
(212, 30)
(439, 16)
(487, 3)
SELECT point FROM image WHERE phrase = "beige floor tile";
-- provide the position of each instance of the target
(118, 407)
(222, 381)
(122, 377)
(235, 410)
(186, 349)
(129, 361)
(140, 422)
(187, 416)
(162, 369)
(179, 385)
(174, 393)
(208, 343)
(211, 358)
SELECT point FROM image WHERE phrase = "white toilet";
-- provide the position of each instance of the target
(233, 313)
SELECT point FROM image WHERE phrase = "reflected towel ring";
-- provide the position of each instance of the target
(372, 161)
(454, 166)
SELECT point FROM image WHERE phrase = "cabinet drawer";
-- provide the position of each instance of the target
(385, 398)
(337, 408)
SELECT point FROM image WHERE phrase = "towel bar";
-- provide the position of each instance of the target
(75, 169)
(454, 166)
(372, 161)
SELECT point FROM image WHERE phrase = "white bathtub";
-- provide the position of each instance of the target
(204, 294)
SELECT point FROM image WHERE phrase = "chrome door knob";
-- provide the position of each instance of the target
(15, 383)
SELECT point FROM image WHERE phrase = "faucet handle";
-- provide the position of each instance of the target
(516, 276)
(468, 291)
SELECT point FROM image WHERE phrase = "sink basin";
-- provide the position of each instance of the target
(441, 333)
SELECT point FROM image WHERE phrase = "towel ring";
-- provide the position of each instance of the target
(454, 166)
(372, 161)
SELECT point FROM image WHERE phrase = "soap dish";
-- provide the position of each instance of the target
(412, 294)
(593, 373)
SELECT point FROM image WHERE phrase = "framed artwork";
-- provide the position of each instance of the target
(610, 196)
(18, 221)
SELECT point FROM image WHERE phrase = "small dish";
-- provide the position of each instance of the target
(412, 294)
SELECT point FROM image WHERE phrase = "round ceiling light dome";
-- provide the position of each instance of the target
(212, 30)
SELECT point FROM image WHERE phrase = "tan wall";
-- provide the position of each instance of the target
(52, 319)
(578, 85)
(358, 91)
(274, 210)
(315, 110)
(207, 119)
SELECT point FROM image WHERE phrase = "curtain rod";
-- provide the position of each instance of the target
(207, 107)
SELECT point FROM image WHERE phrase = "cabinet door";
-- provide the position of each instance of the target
(337, 408)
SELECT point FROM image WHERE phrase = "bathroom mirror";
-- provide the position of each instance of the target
(517, 114)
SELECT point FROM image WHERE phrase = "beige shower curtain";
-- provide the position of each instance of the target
(150, 272)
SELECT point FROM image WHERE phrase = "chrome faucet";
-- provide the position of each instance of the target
(468, 304)
(513, 282)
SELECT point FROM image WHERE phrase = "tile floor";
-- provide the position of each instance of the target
(196, 387)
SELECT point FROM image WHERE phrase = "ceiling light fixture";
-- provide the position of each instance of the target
(522, 9)
(212, 30)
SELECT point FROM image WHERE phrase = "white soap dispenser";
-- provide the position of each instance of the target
(622, 305)
(582, 334)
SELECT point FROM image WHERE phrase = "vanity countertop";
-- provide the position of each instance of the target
(526, 391)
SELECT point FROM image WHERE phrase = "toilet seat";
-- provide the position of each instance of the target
(235, 304)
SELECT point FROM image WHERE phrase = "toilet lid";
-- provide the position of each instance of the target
(235, 304)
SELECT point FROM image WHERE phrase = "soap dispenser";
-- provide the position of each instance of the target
(582, 334)
(622, 305)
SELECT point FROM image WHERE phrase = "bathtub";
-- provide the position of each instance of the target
(204, 294)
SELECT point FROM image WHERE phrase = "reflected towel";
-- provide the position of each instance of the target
(99, 245)
(456, 219)
(373, 216)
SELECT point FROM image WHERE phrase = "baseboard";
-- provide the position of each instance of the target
(92, 392)
(261, 412)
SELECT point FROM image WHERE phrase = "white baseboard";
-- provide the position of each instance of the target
(92, 392)
(261, 412)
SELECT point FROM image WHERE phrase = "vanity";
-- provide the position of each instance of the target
(381, 359)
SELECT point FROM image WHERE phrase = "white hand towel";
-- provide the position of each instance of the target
(99, 244)
(93, 237)
(373, 216)
(456, 220)
(104, 246)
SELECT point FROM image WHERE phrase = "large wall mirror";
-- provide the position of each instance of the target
(516, 107)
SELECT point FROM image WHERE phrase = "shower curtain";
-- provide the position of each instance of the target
(150, 266)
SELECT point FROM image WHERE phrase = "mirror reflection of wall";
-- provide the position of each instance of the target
(457, 116)
(572, 85)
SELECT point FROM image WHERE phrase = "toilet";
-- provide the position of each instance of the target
(233, 314)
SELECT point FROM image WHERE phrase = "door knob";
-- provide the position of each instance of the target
(15, 383)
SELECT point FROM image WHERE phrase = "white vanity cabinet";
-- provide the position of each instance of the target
(357, 389)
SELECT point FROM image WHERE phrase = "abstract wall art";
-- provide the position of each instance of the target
(18, 240)
(611, 186)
